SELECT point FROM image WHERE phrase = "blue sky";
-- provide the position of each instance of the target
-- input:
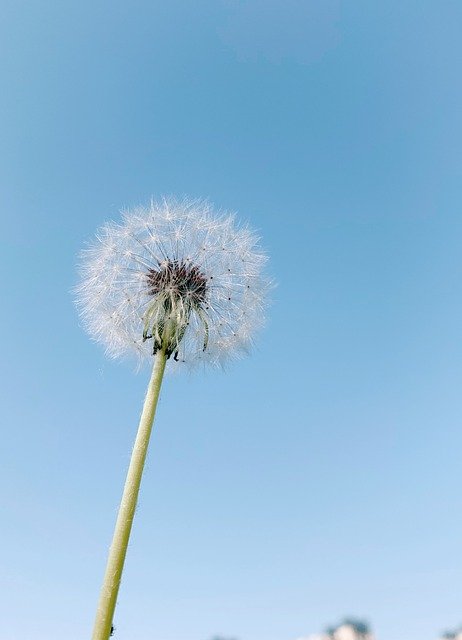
(321, 476)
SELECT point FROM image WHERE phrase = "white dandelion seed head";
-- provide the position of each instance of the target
(174, 275)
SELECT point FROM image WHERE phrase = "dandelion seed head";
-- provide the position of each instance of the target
(174, 275)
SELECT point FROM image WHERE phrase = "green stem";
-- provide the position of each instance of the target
(118, 550)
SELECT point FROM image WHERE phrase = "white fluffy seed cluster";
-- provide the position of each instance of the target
(208, 283)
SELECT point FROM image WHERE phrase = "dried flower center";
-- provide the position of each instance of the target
(178, 288)
(180, 280)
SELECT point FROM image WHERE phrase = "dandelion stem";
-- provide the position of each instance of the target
(118, 550)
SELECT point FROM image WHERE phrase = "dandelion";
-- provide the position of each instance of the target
(177, 285)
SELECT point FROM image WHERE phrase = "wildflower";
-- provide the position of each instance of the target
(171, 279)
(173, 273)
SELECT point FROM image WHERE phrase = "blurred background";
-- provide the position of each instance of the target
(321, 476)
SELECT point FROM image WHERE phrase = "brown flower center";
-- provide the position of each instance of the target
(180, 280)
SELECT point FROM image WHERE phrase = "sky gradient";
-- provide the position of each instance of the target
(318, 478)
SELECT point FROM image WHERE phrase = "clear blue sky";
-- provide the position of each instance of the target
(319, 478)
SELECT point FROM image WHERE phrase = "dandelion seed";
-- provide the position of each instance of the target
(164, 266)
(173, 279)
